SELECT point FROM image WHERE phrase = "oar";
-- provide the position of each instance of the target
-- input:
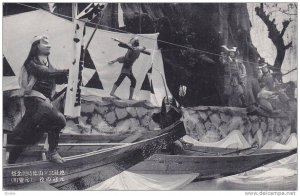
(69, 144)
(165, 86)
(59, 94)
(240, 150)
(97, 26)
(227, 153)
(202, 151)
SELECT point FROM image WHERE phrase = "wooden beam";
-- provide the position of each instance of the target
(68, 144)
(92, 144)
(132, 138)
(65, 138)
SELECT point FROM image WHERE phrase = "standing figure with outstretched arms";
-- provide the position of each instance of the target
(130, 57)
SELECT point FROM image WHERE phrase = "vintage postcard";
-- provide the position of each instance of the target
(150, 96)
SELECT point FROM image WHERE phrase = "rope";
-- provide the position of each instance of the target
(119, 30)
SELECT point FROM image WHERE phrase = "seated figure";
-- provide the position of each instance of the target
(169, 113)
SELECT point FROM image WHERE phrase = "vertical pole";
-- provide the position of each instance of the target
(164, 82)
(140, 25)
(45, 148)
(74, 11)
(4, 152)
(72, 109)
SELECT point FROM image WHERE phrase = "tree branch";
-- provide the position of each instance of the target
(288, 46)
(285, 24)
(287, 13)
(290, 71)
(273, 32)
(261, 6)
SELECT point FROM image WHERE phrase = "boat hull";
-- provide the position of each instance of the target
(209, 166)
(85, 170)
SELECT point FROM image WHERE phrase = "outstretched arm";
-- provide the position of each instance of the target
(144, 51)
(120, 60)
(123, 44)
(43, 72)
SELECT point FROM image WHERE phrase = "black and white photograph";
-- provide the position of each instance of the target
(150, 96)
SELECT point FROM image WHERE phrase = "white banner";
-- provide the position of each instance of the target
(73, 105)
(120, 16)
(98, 77)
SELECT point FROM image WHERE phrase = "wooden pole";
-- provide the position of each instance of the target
(163, 79)
(140, 25)
(74, 11)
(97, 26)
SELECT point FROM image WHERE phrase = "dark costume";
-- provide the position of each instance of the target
(130, 57)
(234, 68)
(267, 80)
(166, 118)
(40, 115)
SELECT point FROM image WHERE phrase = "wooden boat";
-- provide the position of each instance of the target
(89, 163)
(210, 162)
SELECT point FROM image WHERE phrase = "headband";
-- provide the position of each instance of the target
(38, 37)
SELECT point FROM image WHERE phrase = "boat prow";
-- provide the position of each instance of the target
(86, 169)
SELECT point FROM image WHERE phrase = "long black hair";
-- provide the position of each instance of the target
(33, 52)
(163, 105)
(160, 117)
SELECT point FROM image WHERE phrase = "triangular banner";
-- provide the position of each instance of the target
(151, 87)
(95, 82)
(88, 62)
(7, 70)
(146, 84)
(67, 51)
(87, 74)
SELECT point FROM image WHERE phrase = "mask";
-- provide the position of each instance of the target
(134, 41)
(44, 46)
(168, 100)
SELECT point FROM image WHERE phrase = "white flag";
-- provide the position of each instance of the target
(120, 16)
(73, 96)
(52, 7)
(91, 11)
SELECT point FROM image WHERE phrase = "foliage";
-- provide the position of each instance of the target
(269, 13)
